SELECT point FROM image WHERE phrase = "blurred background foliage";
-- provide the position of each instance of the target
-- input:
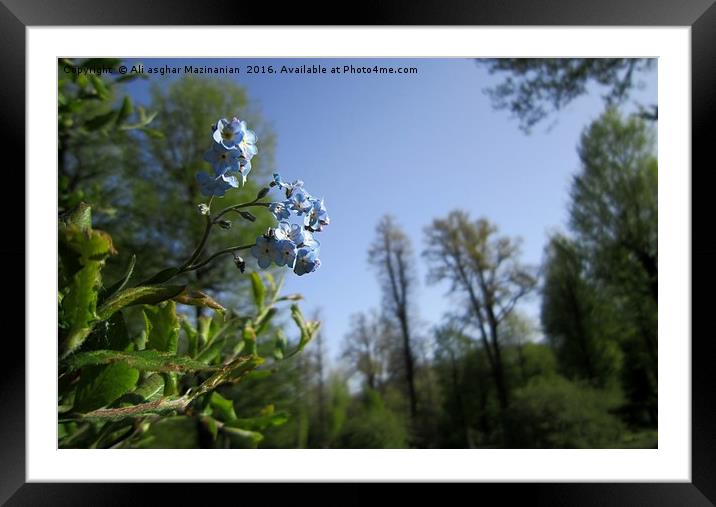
(583, 376)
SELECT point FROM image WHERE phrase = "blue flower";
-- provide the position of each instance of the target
(224, 160)
(229, 133)
(299, 201)
(247, 145)
(263, 250)
(317, 217)
(282, 231)
(310, 242)
(244, 169)
(212, 186)
(279, 210)
(301, 237)
(277, 181)
(288, 187)
(307, 261)
(284, 252)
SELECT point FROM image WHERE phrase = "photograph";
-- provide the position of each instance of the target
(357, 253)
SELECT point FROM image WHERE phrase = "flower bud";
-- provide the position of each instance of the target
(240, 263)
(224, 224)
(248, 216)
(262, 193)
(204, 209)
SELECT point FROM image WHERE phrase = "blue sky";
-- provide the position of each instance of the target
(416, 146)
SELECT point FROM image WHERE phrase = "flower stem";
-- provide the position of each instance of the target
(211, 221)
(236, 207)
(217, 254)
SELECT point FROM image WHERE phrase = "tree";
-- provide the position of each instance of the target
(485, 268)
(365, 348)
(536, 87)
(614, 217)
(452, 347)
(97, 126)
(577, 319)
(392, 255)
(551, 412)
(614, 208)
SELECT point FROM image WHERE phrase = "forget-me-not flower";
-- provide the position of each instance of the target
(287, 187)
(229, 133)
(299, 201)
(317, 216)
(279, 210)
(307, 261)
(216, 186)
(223, 159)
(284, 252)
(247, 145)
(263, 250)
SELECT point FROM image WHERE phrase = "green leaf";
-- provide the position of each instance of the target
(162, 405)
(204, 326)
(171, 384)
(148, 295)
(212, 425)
(151, 388)
(162, 326)
(249, 336)
(143, 121)
(82, 254)
(161, 277)
(125, 111)
(144, 360)
(211, 352)
(79, 217)
(259, 290)
(259, 374)
(192, 337)
(111, 334)
(279, 347)
(308, 329)
(222, 407)
(119, 284)
(79, 244)
(79, 306)
(261, 422)
(243, 438)
(178, 432)
(99, 121)
(99, 86)
(264, 320)
(101, 385)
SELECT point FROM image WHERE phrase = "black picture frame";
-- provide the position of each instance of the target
(699, 15)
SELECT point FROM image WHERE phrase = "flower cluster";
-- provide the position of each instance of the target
(287, 244)
(293, 245)
(230, 156)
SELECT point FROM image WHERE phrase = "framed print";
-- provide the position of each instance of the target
(411, 252)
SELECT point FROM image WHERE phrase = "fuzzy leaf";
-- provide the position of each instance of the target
(148, 295)
(144, 360)
(259, 290)
(101, 385)
(119, 284)
(162, 326)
